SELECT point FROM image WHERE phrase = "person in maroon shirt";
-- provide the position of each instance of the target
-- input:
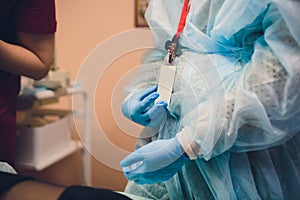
(27, 30)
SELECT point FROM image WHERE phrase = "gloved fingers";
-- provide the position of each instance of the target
(146, 102)
(149, 113)
(154, 111)
(161, 160)
(140, 179)
(131, 159)
(133, 175)
(136, 112)
(147, 92)
(157, 115)
(152, 176)
(138, 175)
(131, 105)
(162, 103)
(157, 110)
(145, 118)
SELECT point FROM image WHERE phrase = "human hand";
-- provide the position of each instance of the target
(158, 162)
(140, 109)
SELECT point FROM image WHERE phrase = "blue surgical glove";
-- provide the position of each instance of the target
(140, 109)
(155, 162)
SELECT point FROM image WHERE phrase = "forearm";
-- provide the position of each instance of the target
(33, 61)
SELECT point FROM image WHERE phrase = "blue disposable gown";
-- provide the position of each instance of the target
(235, 96)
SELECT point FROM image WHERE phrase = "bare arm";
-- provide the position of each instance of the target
(32, 58)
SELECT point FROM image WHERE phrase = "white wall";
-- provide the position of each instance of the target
(82, 25)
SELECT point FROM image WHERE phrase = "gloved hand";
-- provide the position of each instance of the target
(158, 162)
(139, 109)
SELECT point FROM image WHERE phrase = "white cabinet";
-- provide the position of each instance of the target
(44, 135)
